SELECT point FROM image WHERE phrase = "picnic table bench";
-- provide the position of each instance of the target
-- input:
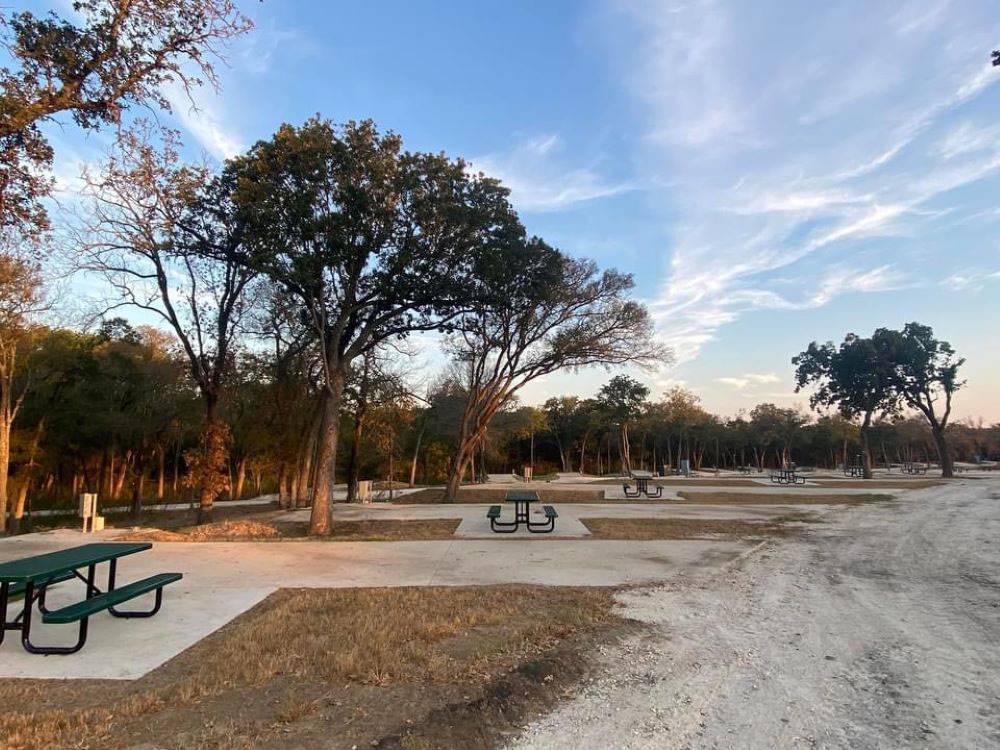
(522, 500)
(31, 577)
(787, 476)
(641, 485)
(914, 468)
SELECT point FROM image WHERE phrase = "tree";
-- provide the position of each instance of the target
(853, 378)
(773, 426)
(622, 399)
(164, 236)
(539, 311)
(20, 297)
(373, 242)
(923, 372)
(564, 420)
(121, 55)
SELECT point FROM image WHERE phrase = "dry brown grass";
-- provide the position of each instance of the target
(777, 498)
(378, 530)
(882, 484)
(675, 482)
(692, 528)
(485, 496)
(308, 659)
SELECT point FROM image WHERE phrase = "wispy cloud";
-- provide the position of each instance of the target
(199, 115)
(540, 181)
(839, 147)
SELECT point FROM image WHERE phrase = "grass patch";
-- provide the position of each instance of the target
(693, 528)
(378, 530)
(163, 519)
(777, 498)
(363, 667)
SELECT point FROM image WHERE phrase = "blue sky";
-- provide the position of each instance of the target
(770, 172)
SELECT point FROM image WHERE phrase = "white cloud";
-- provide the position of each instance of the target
(970, 279)
(749, 380)
(539, 183)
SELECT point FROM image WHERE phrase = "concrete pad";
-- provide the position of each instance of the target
(478, 525)
(224, 579)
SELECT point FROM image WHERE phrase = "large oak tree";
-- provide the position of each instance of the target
(854, 377)
(372, 241)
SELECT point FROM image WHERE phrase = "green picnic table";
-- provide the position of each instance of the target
(31, 577)
(522, 500)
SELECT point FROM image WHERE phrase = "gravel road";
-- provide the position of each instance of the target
(877, 629)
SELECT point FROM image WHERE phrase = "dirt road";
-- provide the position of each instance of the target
(879, 629)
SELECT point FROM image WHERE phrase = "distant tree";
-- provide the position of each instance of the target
(20, 298)
(853, 378)
(924, 374)
(563, 420)
(120, 55)
(777, 427)
(622, 399)
(538, 311)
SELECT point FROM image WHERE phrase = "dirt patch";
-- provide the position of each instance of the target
(337, 668)
(775, 498)
(694, 528)
(883, 484)
(279, 531)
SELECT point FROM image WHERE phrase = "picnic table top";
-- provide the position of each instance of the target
(642, 475)
(40, 567)
(521, 496)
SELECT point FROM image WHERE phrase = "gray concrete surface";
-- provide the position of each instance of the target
(226, 578)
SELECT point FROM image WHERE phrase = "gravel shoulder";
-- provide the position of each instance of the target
(879, 628)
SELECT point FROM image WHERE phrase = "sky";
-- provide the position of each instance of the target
(771, 173)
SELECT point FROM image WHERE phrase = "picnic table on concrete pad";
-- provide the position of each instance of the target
(641, 485)
(32, 576)
(522, 500)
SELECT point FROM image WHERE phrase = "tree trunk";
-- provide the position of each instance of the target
(241, 475)
(122, 471)
(177, 468)
(944, 455)
(353, 469)
(321, 519)
(303, 479)
(284, 497)
(206, 492)
(866, 456)
(136, 504)
(416, 454)
(624, 449)
(161, 470)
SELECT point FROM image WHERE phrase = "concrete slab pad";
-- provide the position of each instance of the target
(224, 579)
